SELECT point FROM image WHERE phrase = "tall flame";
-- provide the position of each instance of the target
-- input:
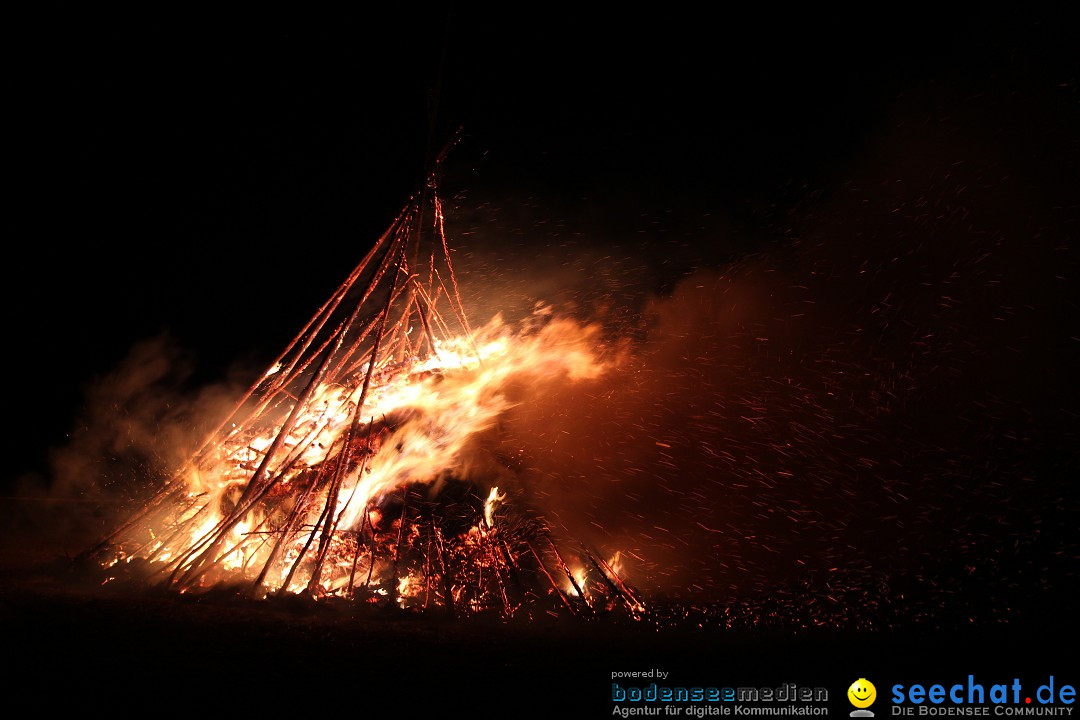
(493, 500)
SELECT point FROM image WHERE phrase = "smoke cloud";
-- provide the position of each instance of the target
(137, 425)
(884, 394)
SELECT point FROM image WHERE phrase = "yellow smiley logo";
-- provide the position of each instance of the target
(862, 693)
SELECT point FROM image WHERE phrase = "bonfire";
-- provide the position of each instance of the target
(342, 471)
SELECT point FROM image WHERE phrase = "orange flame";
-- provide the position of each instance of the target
(493, 499)
(428, 410)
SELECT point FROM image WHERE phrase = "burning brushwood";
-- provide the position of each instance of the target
(341, 472)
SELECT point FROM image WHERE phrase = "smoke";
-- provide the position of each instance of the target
(584, 257)
(730, 435)
(137, 425)
(888, 393)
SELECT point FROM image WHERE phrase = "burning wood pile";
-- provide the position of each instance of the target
(343, 471)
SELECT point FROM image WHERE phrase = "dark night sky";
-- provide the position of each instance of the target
(171, 177)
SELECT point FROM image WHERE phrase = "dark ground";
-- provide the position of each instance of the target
(71, 645)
